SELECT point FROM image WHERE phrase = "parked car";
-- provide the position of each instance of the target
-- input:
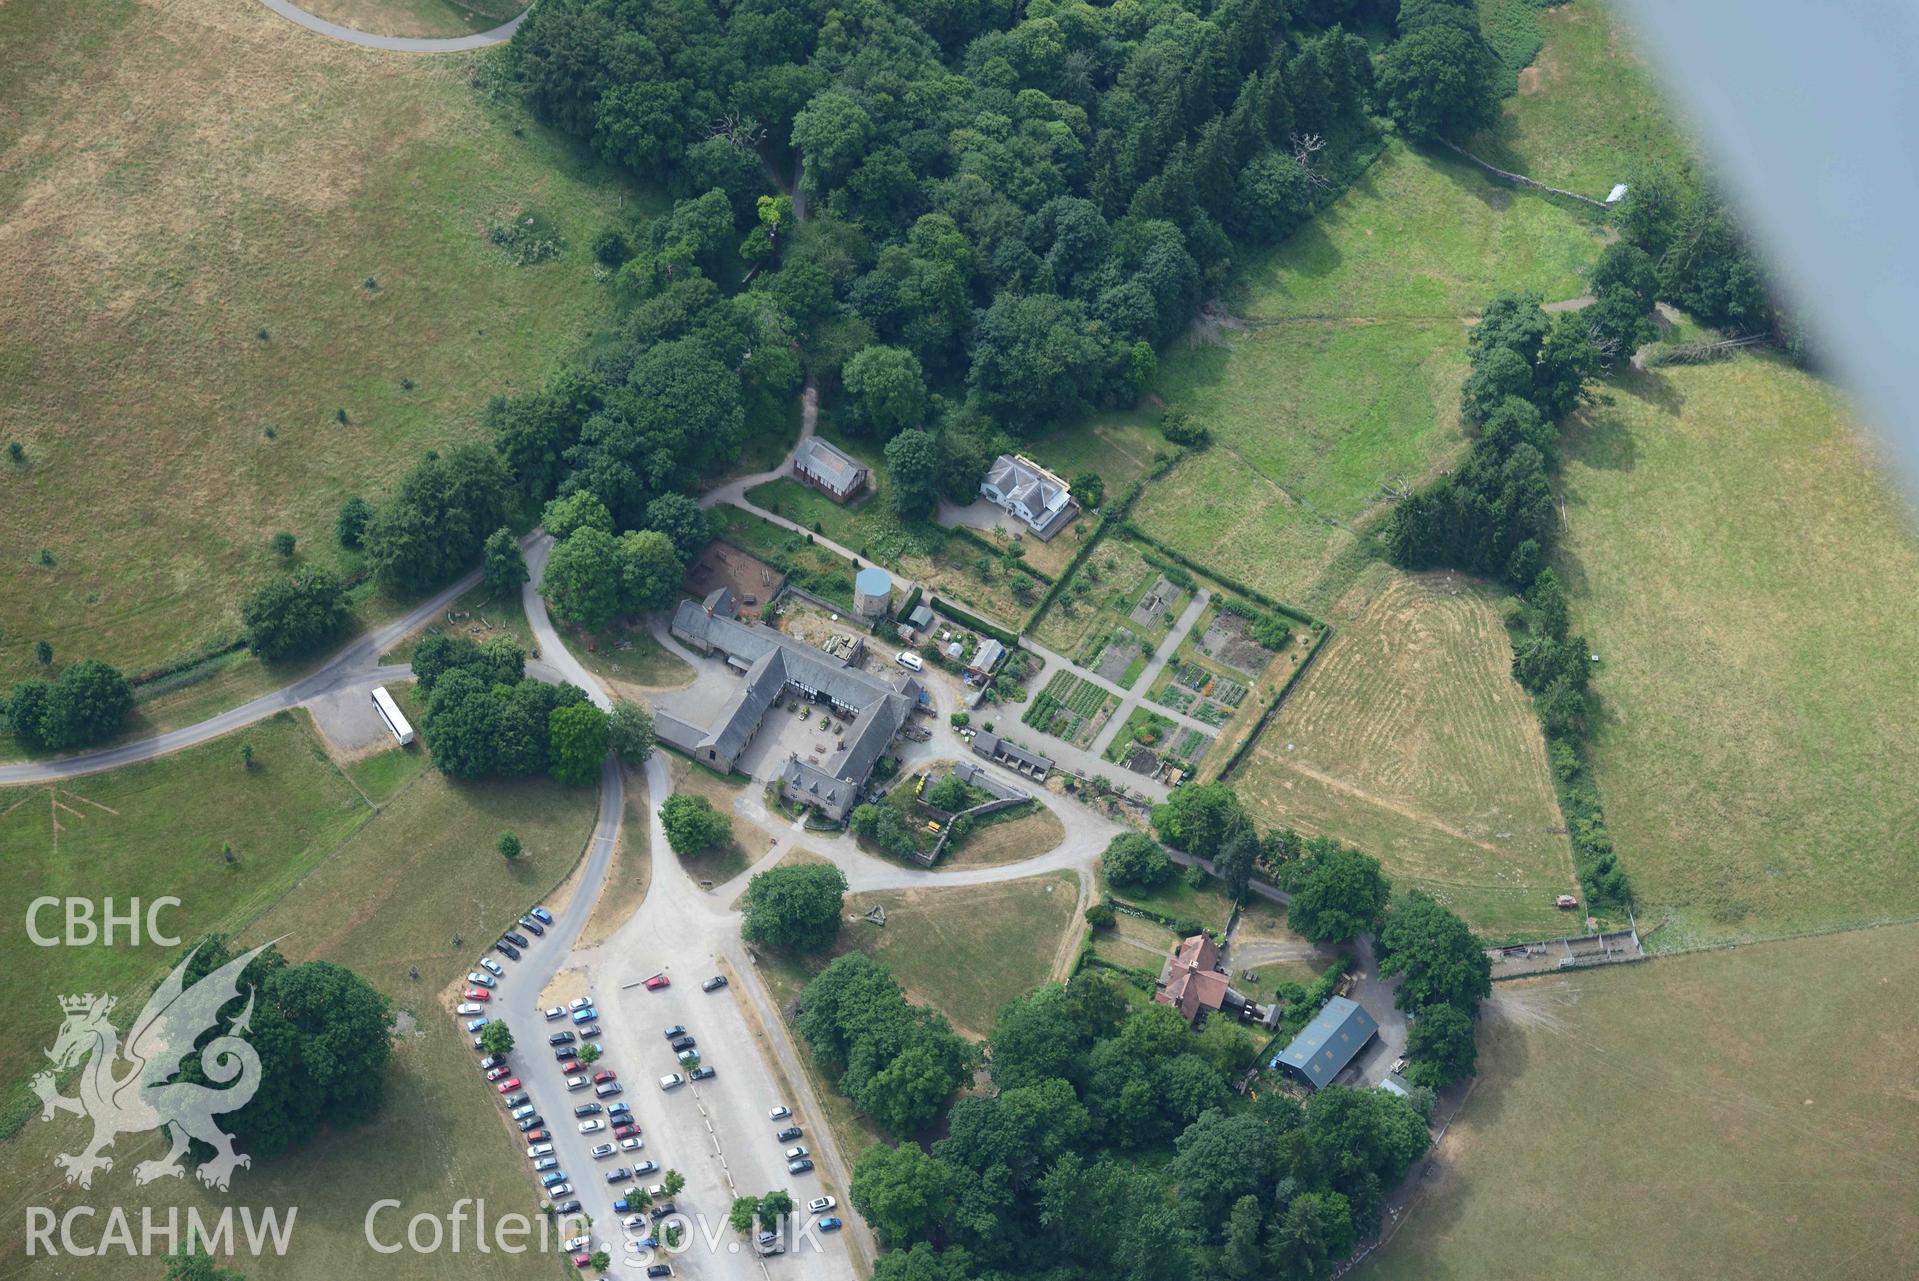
(585, 1014)
(517, 939)
(714, 984)
(659, 1269)
(683, 1042)
(538, 1150)
(576, 1243)
(483, 980)
(779, 1113)
(571, 1066)
(623, 1127)
(529, 1126)
(787, 1135)
(590, 1031)
(532, 926)
(909, 660)
(509, 1085)
(547, 1163)
(553, 1012)
(551, 1177)
(538, 1135)
(579, 1003)
(657, 982)
(521, 1111)
(829, 1224)
(492, 966)
(582, 1260)
(601, 1078)
(477, 994)
(630, 1142)
(576, 1082)
(800, 1166)
(607, 1089)
(476, 1024)
(517, 1099)
(689, 1057)
(795, 1152)
(468, 1007)
(507, 950)
(492, 1061)
(674, 1033)
(495, 1073)
(560, 1038)
(704, 1072)
(820, 1205)
(617, 1109)
(635, 1223)
(646, 1167)
(567, 1207)
(544, 916)
(593, 1126)
(588, 1109)
(671, 1081)
(603, 1150)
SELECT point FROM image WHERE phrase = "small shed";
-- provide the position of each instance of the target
(1617, 194)
(921, 618)
(872, 591)
(986, 658)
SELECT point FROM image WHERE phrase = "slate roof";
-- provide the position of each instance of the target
(820, 460)
(1327, 1044)
(987, 656)
(921, 617)
(1024, 481)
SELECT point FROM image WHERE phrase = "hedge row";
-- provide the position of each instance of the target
(1272, 705)
(974, 621)
(968, 534)
(1186, 563)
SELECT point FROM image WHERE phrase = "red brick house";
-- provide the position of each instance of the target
(1192, 980)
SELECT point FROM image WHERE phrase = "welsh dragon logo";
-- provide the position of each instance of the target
(127, 1090)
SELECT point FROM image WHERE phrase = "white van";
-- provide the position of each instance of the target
(909, 660)
(539, 1150)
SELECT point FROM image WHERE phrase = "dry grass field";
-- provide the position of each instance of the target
(177, 178)
(416, 17)
(1743, 1113)
(1745, 570)
(1409, 739)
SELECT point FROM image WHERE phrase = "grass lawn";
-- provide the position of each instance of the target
(1744, 569)
(926, 554)
(1098, 598)
(1134, 943)
(1588, 107)
(1410, 739)
(1695, 1116)
(1210, 904)
(176, 179)
(158, 829)
(416, 17)
(479, 615)
(1010, 836)
(967, 951)
(1340, 373)
(749, 842)
(644, 662)
(824, 573)
(392, 894)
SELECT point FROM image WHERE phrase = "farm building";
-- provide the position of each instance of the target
(1012, 755)
(1326, 1045)
(1037, 496)
(1192, 980)
(772, 663)
(986, 658)
(827, 469)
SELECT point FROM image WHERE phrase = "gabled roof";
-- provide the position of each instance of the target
(1327, 1044)
(1191, 980)
(817, 458)
(987, 656)
(741, 714)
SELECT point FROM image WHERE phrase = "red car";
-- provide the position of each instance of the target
(494, 1074)
(570, 1066)
(601, 1078)
(582, 1260)
(625, 1131)
(478, 994)
(657, 982)
(509, 1085)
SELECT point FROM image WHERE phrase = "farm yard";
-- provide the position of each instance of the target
(222, 235)
(1738, 1113)
(1069, 708)
(1409, 738)
(1742, 565)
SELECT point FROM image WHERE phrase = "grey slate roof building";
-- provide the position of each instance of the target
(827, 469)
(1030, 492)
(1012, 755)
(1326, 1045)
(771, 663)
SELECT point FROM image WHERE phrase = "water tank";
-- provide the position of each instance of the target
(872, 591)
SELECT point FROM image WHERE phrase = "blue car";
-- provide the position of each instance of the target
(551, 1177)
(829, 1224)
(586, 1015)
(543, 916)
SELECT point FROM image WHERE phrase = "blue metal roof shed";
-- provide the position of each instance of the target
(1328, 1043)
